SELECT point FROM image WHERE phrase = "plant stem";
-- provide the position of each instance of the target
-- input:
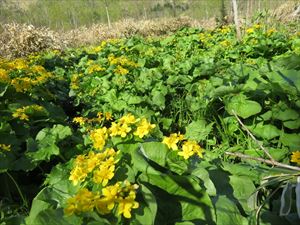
(267, 161)
(18, 189)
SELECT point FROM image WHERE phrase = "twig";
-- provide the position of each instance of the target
(267, 161)
(252, 136)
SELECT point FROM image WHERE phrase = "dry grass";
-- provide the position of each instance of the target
(128, 28)
(288, 11)
(18, 40)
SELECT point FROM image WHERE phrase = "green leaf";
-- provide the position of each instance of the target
(198, 130)
(175, 163)
(242, 107)
(291, 140)
(227, 212)
(195, 202)
(203, 175)
(147, 209)
(267, 131)
(56, 217)
(243, 189)
(47, 140)
(292, 124)
(155, 151)
(284, 114)
(158, 99)
(44, 209)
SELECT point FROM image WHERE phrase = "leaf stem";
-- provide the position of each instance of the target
(18, 189)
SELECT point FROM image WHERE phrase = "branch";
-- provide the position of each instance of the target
(267, 161)
(252, 136)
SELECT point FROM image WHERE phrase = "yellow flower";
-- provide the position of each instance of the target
(83, 201)
(99, 137)
(225, 30)
(172, 140)
(4, 78)
(225, 43)
(103, 174)
(125, 206)
(190, 148)
(104, 205)
(20, 64)
(71, 207)
(121, 71)
(106, 202)
(250, 31)
(92, 161)
(119, 129)
(296, 157)
(144, 128)
(108, 116)
(95, 68)
(24, 112)
(78, 175)
(257, 26)
(111, 191)
(270, 31)
(128, 119)
(79, 120)
(126, 199)
(5, 148)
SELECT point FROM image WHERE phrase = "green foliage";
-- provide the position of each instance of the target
(191, 83)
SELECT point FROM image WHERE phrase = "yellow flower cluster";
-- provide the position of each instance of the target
(100, 117)
(100, 165)
(225, 43)
(252, 29)
(125, 126)
(4, 77)
(270, 32)
(21, 75)
(173, 140)
(24, 112)
(223, 29)
(5, 148)
(94, 68)
(296, 157)
(143, 128)
(188, 147)
(121, 63)
(120, 195)
(99, 137)
(75, 79)
(120, 70)
(97, 49)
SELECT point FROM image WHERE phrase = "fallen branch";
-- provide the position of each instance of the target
(267, 161)
(252, 136)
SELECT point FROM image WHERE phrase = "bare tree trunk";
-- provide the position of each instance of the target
(236, 19)
(145, 13)
(107, 14)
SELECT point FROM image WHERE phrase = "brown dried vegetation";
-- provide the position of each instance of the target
(18, 40)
